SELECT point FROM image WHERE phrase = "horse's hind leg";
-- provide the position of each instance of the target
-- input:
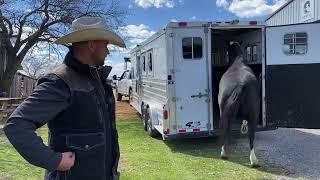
(228, 113)
(253, 118)
(225, 137)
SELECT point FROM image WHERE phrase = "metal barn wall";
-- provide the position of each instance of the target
(291, 14)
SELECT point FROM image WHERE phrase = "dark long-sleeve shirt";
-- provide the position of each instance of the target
(50, 97)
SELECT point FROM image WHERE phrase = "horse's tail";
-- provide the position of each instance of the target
(232, 104)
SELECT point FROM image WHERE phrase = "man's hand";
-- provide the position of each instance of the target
(67, 161)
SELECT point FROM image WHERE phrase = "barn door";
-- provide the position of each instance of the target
(293, 76)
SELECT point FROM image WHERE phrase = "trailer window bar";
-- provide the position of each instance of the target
(295, 43)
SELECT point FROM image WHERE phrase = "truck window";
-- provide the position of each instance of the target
(295, 43)
(192, 48)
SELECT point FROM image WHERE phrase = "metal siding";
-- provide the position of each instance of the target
(291, 14)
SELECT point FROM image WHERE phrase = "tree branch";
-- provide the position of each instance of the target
(21, 24)
(4, 34)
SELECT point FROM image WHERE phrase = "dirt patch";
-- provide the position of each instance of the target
(123, 165)
(124, 111)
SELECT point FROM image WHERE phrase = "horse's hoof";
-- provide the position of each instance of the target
(224, 157)
(255, 165)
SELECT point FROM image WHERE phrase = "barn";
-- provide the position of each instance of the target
(292, 78)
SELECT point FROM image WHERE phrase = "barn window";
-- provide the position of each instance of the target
(295, 43)
(192, 48)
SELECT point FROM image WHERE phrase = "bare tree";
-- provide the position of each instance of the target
(24, 24)
(38, 62)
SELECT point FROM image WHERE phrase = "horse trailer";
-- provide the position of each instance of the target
(176, 73)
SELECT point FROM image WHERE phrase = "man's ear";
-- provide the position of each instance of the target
(91, 46)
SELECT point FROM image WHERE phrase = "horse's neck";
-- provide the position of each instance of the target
(237, 61)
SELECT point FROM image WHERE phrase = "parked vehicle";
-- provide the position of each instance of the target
(123, 85)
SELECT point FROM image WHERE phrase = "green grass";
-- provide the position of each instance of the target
(148, 158)
(13, 166)
(143, 157)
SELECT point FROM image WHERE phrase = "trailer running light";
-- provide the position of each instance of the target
(253, 22)
(165, 114)
(183, 24)
(196, 130)
(182, 131)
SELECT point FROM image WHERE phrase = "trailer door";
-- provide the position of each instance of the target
(293, 76)
(191, 79)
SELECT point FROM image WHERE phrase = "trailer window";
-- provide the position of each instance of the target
(150, 61)
(295, 43)
(249, 53)
(192, 48)
(252, 52)
(144, 64)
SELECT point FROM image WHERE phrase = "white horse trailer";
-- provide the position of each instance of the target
(176, 74)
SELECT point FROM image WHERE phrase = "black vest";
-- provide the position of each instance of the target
(87, 127)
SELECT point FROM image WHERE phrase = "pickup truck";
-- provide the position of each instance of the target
(124, 85)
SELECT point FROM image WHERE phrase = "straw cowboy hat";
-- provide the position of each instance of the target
(88, 28)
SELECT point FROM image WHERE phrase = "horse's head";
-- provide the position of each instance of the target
(234, 50)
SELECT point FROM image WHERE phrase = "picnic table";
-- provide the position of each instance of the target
(7, 106)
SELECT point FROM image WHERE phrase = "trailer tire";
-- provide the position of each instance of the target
(143, 117)
(150, 129)
(130, 96)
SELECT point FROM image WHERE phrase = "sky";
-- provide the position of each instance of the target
(149, 16)
(146, 17)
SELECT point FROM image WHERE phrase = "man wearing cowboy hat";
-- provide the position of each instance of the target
(78, 106)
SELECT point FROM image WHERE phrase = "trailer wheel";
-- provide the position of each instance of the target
(143, 117)
(151, 130)
(130, 96)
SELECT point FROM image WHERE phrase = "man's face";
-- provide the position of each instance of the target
(100, 52)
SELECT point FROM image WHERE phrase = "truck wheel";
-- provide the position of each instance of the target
(119, 96)
(150, 129)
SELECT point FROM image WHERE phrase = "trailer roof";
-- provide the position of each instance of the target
(225, 24)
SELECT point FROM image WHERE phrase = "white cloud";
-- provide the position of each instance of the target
(155, 3)
(136, 33)
(193, 18)
(222, 3)
(174, 20)
(250, 8)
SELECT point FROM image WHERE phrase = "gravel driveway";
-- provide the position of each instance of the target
(293, 152)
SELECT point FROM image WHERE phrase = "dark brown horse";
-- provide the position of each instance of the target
(238, 95)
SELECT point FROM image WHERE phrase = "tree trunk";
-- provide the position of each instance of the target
(11, 68)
